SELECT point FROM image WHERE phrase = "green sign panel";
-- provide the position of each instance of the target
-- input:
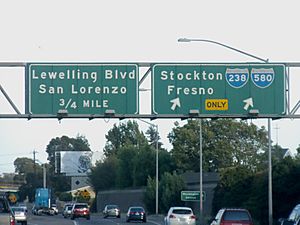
(222, 89)
(82, 88)
(192, 196)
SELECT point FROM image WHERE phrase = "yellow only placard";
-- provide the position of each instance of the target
(216, 104)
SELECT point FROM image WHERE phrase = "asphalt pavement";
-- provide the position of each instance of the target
(95, 219)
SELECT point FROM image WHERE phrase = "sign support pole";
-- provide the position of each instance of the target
(200, 171)
(270, 175)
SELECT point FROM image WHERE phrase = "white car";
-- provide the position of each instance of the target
(54, 207)
(180, 216)
(20, 214)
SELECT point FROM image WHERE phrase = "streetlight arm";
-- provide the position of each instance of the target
(223, 45)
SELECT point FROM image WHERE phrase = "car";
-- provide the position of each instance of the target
(67, 211)
(136, 213)
(80, 210)
(20, 214)
(180, 216)
(36, 211)
(24, 206)
(294, 217)
(231, 216)
(111, 210)
(6, 215)
(54, 207)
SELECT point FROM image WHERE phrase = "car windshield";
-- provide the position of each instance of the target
(18, 209)
(182, 211)
(112, 207)
(236, 215)
(69, 207)
(137, 209)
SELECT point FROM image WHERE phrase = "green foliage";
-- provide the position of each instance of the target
(286, 186)
(65, 143)
(241, 187)
(166, 162)
(31, 176)
(59, 183)
(226, 143)
(64, 196)
(170, 187)
(32, 181)
(125, 134)
(149, 197)
(153, 137)
(26, 165)
(144, 166)
(129, 158)
(234, 185)
(103, 175)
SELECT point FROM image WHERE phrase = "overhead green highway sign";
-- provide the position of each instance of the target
(81, 88)
(219, 89)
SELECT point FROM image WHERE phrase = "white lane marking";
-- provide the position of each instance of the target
(75, 223)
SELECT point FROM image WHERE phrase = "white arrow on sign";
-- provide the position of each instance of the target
(176, 102)
(249, 102)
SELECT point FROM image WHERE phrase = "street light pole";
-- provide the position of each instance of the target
(156, 164)
(156, 171)
(270, 175)
(200, 165)
(44, 176)
(270, 193)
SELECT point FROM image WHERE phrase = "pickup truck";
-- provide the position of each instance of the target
(6, 217)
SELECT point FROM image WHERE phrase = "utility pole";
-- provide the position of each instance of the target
(34, 166)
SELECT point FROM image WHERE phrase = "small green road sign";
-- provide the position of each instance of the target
(192, 196)
(219, 89)
(81, 88)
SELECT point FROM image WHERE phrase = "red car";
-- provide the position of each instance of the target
(80, 210)
(231, 216)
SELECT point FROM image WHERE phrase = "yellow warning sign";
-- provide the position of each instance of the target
(216, 104)
(12, 198)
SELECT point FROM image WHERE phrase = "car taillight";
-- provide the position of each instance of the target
(193, 217)
(132, 213)
(172, 216)
(12, 221)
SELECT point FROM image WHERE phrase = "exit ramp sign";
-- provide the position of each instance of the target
(219, 89)
(81, 88)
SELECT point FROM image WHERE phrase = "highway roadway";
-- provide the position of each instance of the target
(95, 219)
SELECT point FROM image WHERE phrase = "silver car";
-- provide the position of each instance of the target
(67, 211)
(111, 210)
(20, 214)
(180, 216)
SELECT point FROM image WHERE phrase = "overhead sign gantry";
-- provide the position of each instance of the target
(179, 90)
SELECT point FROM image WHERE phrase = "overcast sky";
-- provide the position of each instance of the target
(135, 31)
